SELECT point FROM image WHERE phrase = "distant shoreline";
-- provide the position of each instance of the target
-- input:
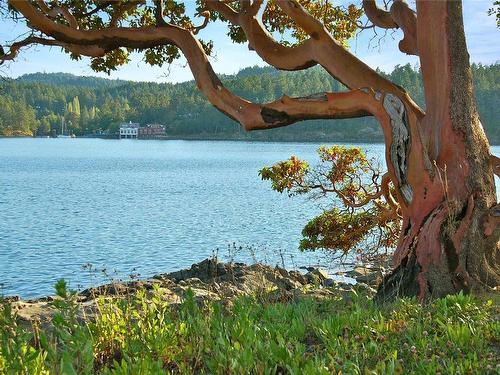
(236, 139)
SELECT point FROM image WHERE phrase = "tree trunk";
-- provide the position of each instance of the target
(441, 162)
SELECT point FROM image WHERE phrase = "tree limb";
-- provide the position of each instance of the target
(160, 21)
(377, 16)
(206, 20)
(286, 110)
(321, 48)
(386, 191)
(339, 62)
(93, 51)
(259, 40)
(399, 16)
(100, 6)
(406, 19)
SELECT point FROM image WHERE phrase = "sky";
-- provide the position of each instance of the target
(483, 40)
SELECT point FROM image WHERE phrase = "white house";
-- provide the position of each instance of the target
(129, 130)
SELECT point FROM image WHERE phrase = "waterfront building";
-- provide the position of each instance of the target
(152, 131)
(129, 130)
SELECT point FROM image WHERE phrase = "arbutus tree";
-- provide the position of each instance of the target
(361, 215)
(438, 160)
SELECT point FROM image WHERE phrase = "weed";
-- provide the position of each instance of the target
(142, 334)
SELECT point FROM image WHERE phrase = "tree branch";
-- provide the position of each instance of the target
(285, 111)
(93, 51)
(339, 62)
(321, 48)
(399, 16)
(377, 16)
(206, 20)
(406, 19)
(259, 40)
(100, 6)
(386, 191)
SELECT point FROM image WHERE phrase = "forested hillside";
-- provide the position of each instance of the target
(35, 104)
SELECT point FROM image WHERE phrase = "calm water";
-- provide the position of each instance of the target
(140, 207)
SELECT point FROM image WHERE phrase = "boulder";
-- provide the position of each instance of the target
(317, 276)
(367, 275)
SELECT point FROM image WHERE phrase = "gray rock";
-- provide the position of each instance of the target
(329, 283)
(317, 276)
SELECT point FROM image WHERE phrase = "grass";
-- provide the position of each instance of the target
(144, 335)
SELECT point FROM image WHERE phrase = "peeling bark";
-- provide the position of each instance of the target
(319, 96)
(273, 116)
(400, 146)
(450, 233)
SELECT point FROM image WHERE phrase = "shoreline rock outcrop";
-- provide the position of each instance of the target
(211, 280)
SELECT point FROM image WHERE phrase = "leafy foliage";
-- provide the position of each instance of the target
(364, 209)
(142, 334)
(495, 11)
(340, 21)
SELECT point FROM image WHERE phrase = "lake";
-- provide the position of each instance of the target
(129, 207)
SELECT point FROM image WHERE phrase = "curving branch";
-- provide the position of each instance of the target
(351, 104)
(390, 211)
(100, 6)
(406, 19)
(339, 62)
(321, 48)
(92, 51)
(302, 18)
(399, 16)
(259, 39)
(159, 8)
(386, 192)
(377, 16)
(206, 20)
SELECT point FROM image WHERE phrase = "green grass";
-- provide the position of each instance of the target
(144, 335)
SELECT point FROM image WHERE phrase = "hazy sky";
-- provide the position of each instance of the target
(483, 39)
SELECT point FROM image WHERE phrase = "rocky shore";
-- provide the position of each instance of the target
(211, 280)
